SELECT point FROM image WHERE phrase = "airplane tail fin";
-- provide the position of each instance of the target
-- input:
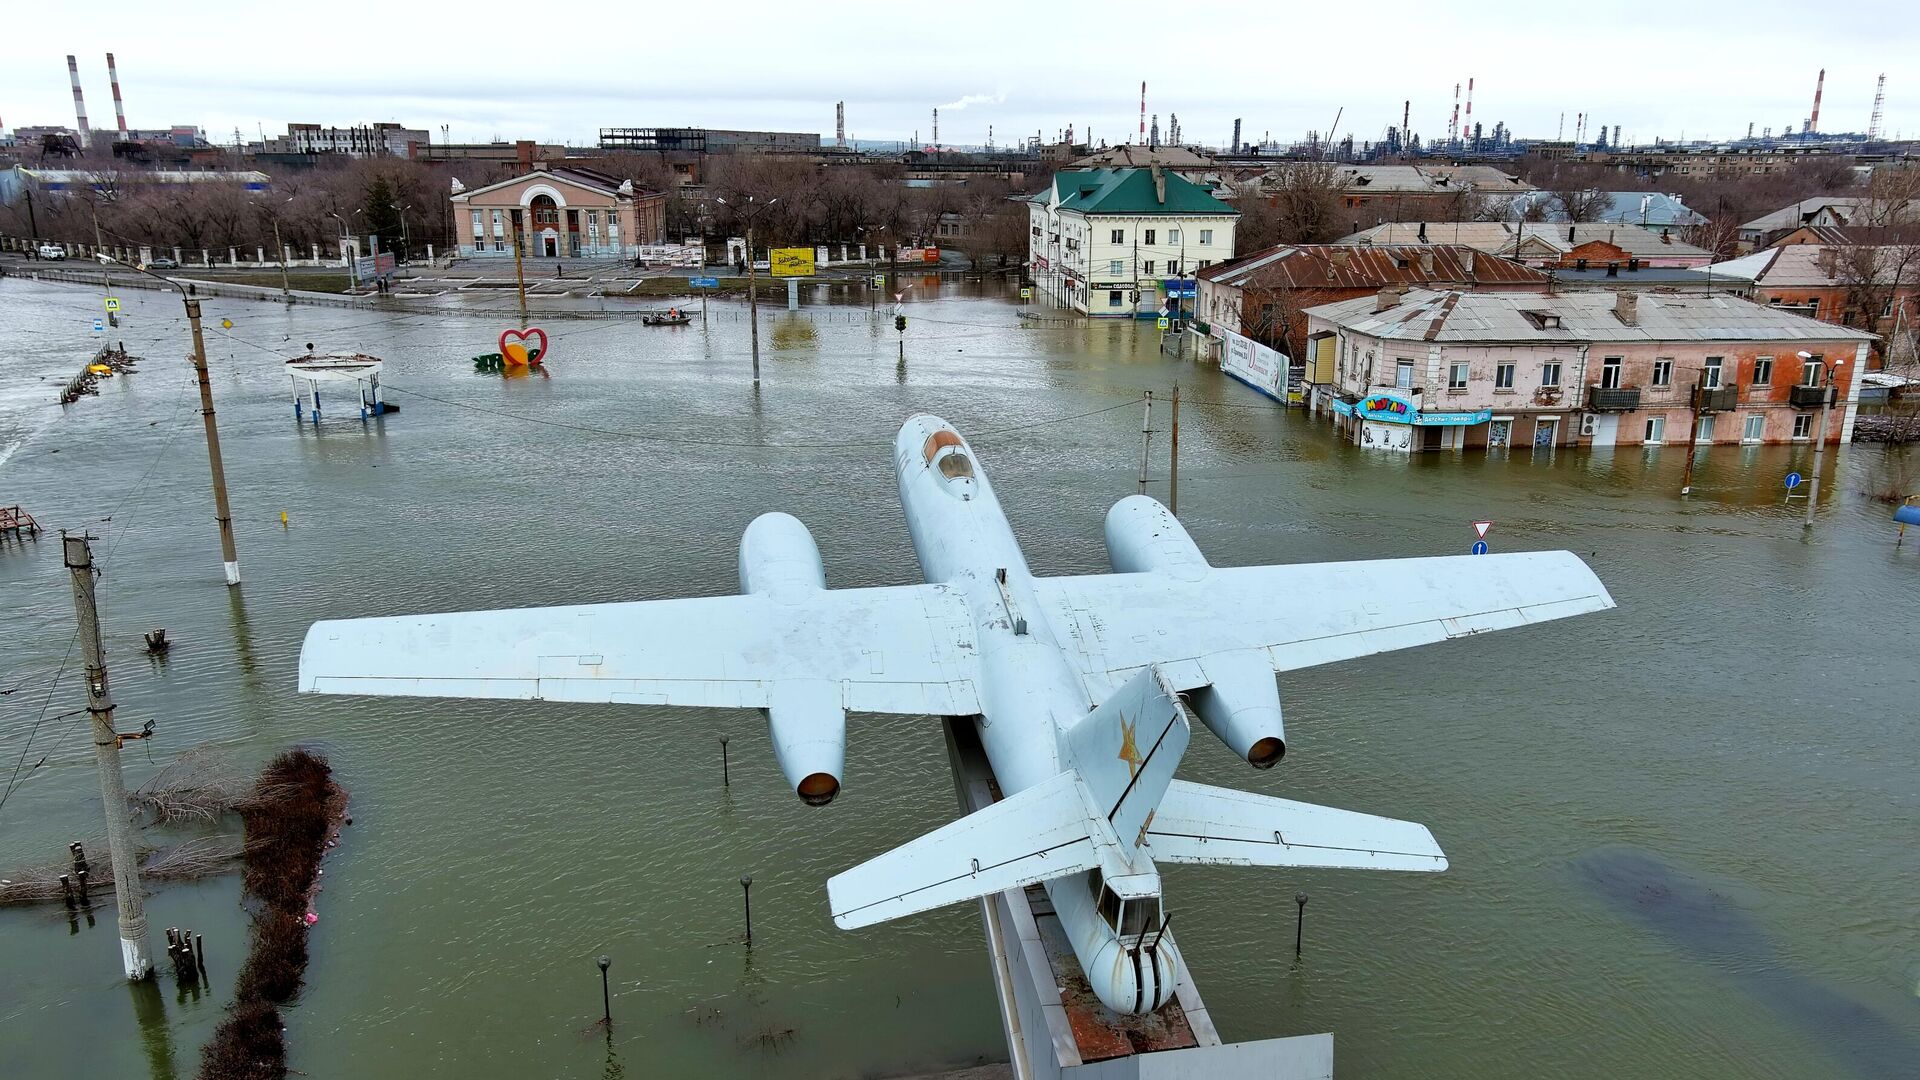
(1201, 824)
(1127, 749)
(1119, 761)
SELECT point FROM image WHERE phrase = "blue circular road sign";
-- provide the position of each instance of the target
(1479, 547)
(1793, 480)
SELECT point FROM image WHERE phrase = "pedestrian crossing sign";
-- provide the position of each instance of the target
(1163, 322)
(1026, 293)
(113, 303)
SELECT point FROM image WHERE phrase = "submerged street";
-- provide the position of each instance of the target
(1680, 832)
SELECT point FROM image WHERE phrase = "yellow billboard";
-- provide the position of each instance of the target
(791, 262)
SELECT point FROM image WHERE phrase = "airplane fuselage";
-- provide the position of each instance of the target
(1029, 692)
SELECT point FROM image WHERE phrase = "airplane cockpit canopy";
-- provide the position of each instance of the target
(945, 452)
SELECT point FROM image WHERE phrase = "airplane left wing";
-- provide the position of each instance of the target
(1305, 614)
(902, 649)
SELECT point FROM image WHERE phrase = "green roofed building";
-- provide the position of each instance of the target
(1124, 242)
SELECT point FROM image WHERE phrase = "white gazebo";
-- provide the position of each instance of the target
(361, 370)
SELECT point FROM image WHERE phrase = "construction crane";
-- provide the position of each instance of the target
(1879, 99)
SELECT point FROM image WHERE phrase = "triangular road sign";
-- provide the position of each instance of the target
(1481, 528)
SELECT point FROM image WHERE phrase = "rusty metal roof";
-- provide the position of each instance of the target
(1347, 266)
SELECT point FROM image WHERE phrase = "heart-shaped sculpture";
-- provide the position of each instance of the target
(517, 347)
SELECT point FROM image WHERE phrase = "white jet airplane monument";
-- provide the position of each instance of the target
(1080, 688)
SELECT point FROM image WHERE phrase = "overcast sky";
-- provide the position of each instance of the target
(505, 70)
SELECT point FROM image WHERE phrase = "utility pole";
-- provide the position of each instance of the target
(135, 956)
(1173, 458)
(1146, 438)
(1826, 404)
(753, 210)
(286, 289)
(230, 558)
(753, 310)
(1693, 436)
(519, 272)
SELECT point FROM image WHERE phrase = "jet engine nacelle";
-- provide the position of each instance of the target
(1241, 704)
(779, 558)
(805, 720)
(809, 732)
(1143, 535)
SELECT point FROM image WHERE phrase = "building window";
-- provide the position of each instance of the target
(1610, 373)
(1656, 430)
(1148, 238)
(1803, 425)
(1810, 374)
(1147, 267)
(1173, 267)
(479, 230)
(1119, 236)
(1117, 266)
(1704, 431)
(1663, 371)
(1204, 263)
(1206, 236)
(1755, 429)
(1503, 377)
(1763, 371)
(1457, 376)
(1173, 236)
(1403, 374)
(1113, 298)
(1710, 374)
(1550, 373)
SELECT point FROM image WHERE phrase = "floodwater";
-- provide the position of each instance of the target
(1745, 721)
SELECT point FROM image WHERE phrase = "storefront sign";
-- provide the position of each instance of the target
(1453, 419)
(1182, 288)
(1386, 407)
(1342, 408)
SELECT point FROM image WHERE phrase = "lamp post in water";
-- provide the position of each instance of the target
(754, 210)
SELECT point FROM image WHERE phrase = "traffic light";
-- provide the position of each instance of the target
(900, 323)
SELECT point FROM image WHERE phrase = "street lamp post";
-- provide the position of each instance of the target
(353, 276)
(1820, 444)
(753, 296)
(286, 289)
(229, 555)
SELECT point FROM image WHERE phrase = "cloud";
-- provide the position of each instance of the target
(975, 99)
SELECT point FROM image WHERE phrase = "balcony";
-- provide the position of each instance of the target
(1613, 398)
(1723, 399)
(1806, 397)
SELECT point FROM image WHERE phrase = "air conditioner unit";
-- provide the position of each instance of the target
(1588, 423)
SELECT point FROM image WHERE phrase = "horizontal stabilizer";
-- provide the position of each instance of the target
(1201, 824)
(1044, 832)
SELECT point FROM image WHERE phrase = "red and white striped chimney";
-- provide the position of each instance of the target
(119, 112)
(79, 103)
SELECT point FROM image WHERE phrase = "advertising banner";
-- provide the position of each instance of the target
(1254, 364)
(791, 262)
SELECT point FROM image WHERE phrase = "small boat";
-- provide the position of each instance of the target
(662, 318)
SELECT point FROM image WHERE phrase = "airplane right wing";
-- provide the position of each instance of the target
(1304, 614)
(1200, 824)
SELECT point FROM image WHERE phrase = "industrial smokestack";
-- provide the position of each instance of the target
(79, 103)
(1236, 132)
(1143, 111)
(1813, 122)
(119, 111)
(839, 111)
(935, 145)
(1406, 114)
